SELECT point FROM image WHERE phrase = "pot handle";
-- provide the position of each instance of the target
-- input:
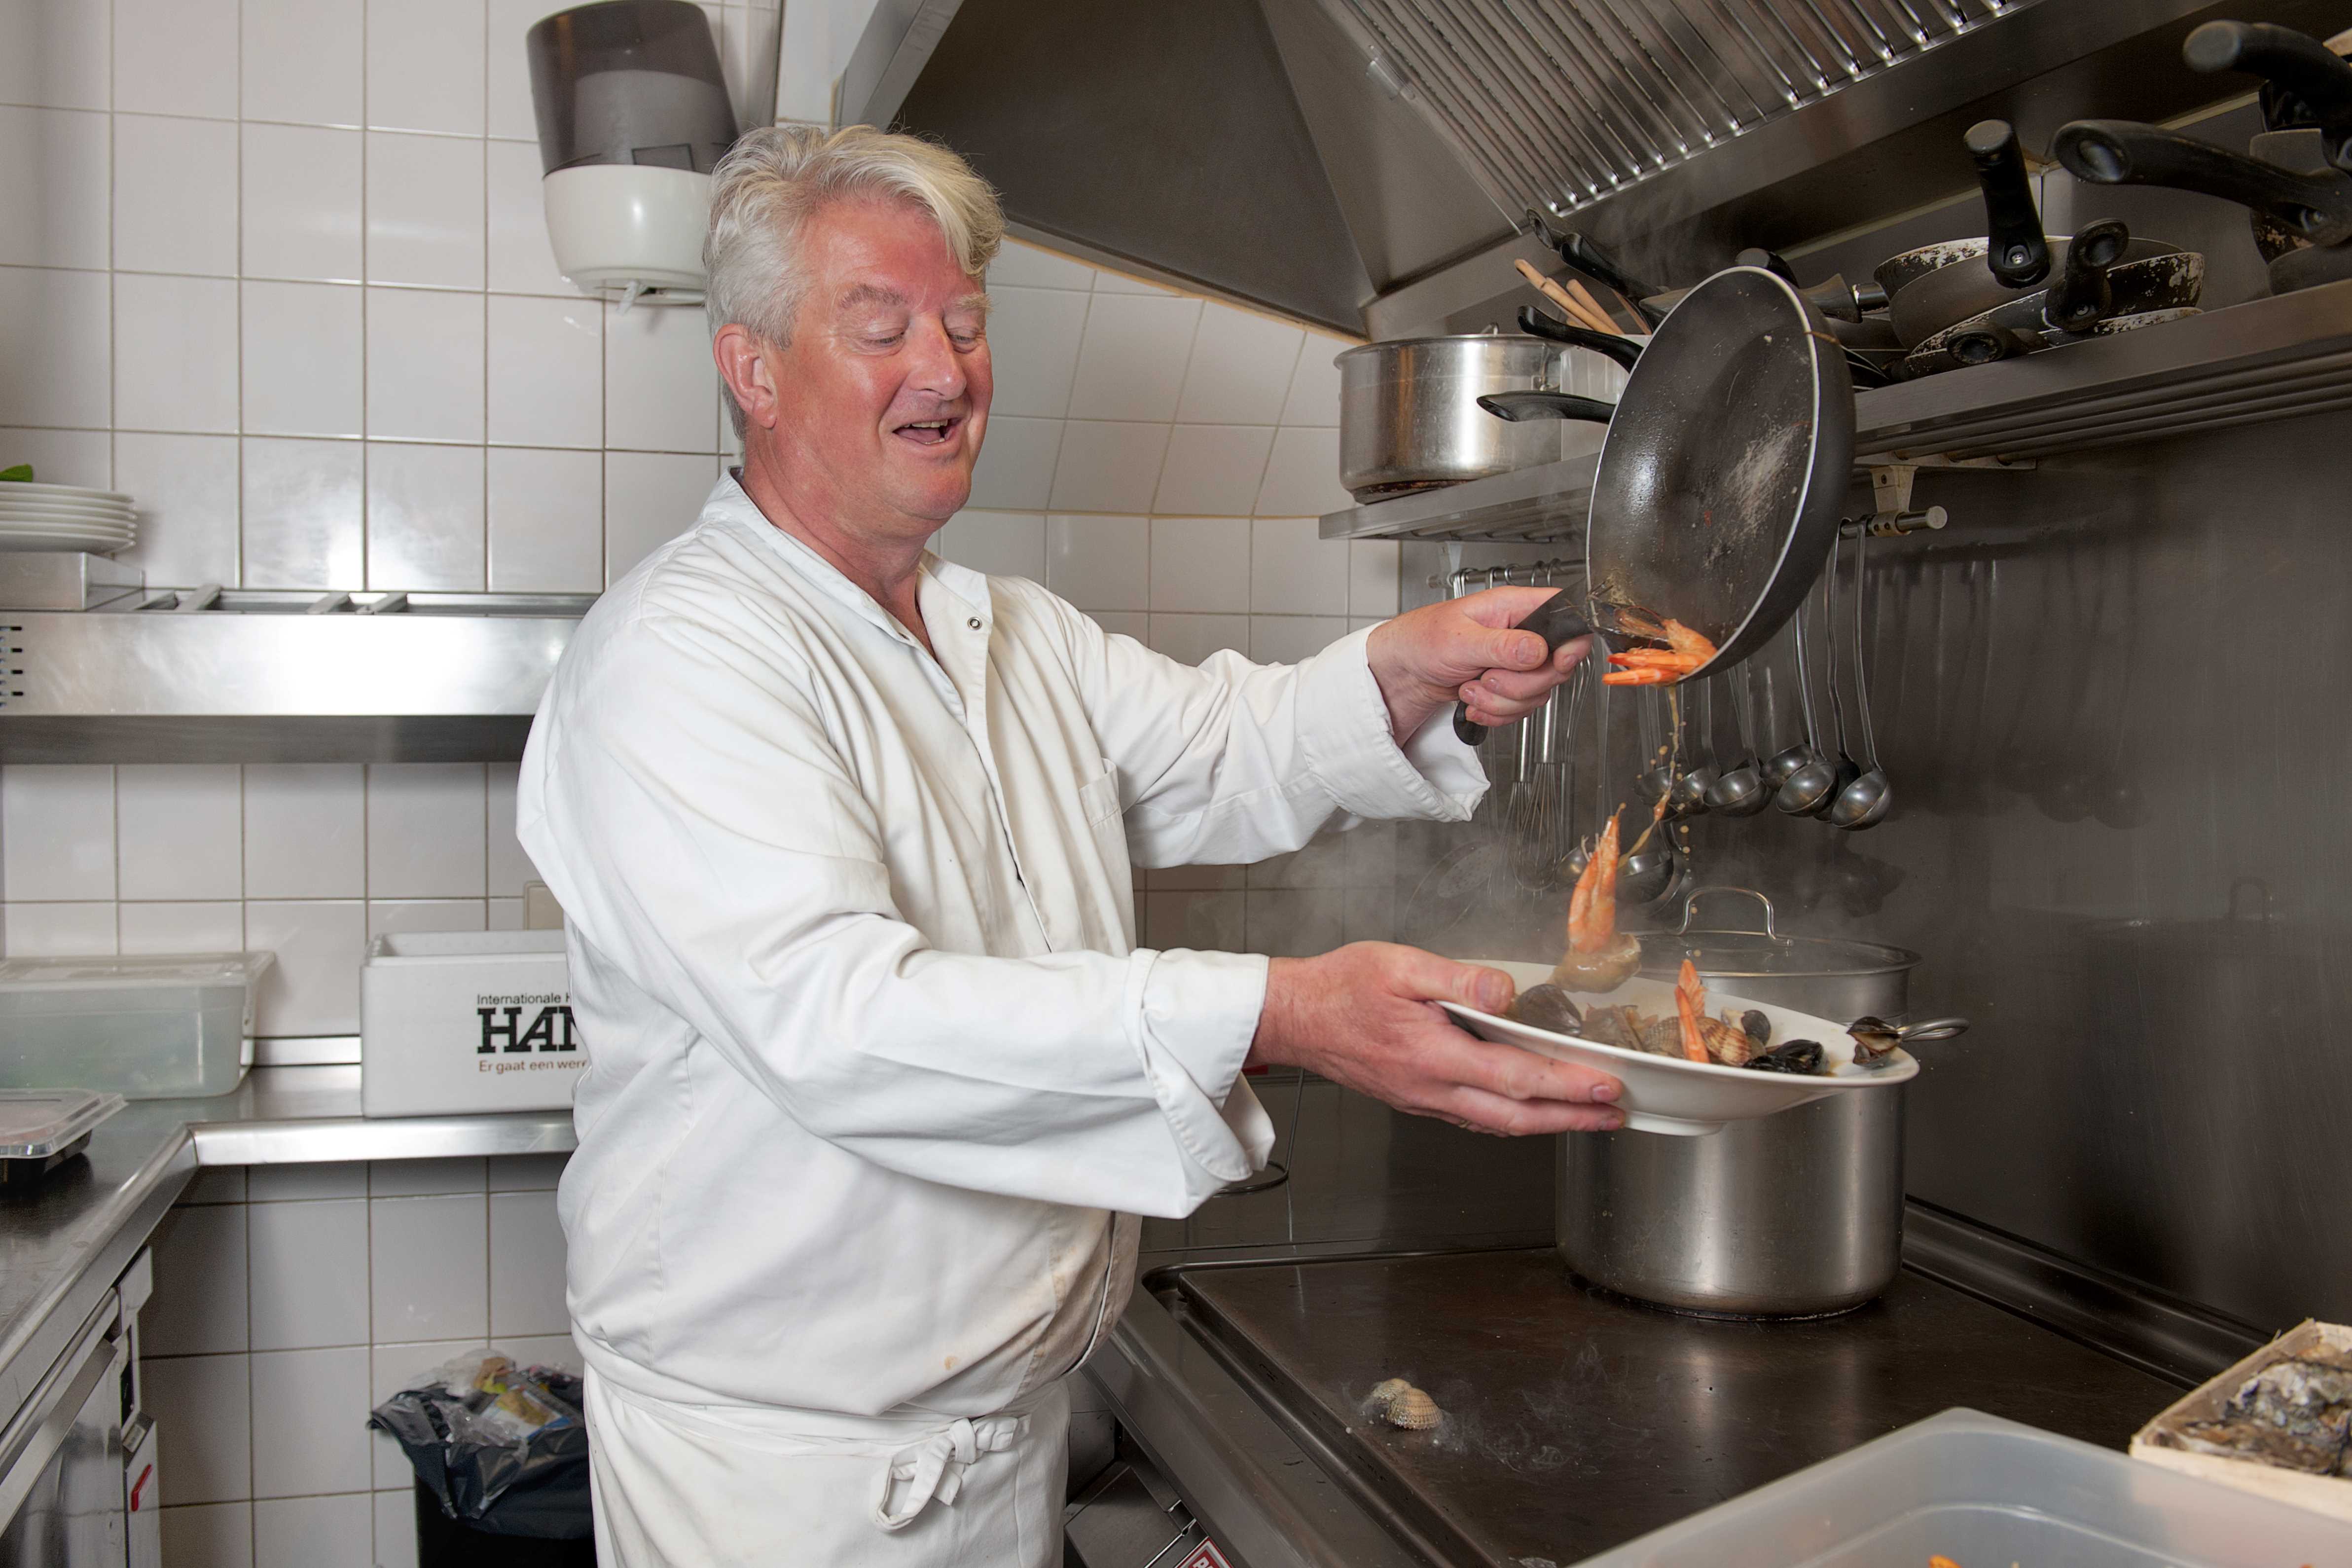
(1690, 907)
(1933, 1029)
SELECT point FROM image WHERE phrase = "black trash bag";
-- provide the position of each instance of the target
(504, 1447)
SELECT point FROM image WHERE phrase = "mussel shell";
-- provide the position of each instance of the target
(1801, 1057)
(1756, 1027)
(1547, 1007)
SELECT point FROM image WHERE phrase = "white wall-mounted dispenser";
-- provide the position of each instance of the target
(632, 114)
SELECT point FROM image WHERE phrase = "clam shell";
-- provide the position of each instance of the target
(1384, 1394)
(1414, 1411)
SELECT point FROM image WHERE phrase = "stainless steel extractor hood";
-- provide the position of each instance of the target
(203, 674)
(1368, 163)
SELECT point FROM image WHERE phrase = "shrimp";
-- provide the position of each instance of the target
(1704, 1038)
(1600, 957)
(1686, 653)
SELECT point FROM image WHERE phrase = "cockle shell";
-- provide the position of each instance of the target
(1414, 1411)
(1383, 1393)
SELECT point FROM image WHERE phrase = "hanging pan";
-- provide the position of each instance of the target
(1721, 476)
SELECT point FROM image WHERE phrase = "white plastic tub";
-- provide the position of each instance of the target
(460, 1021)
(157, 1027)
(1986, 1493)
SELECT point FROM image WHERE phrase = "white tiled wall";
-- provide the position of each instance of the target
(290, 1302)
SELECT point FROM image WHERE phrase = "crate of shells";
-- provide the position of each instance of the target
(2279, 1422)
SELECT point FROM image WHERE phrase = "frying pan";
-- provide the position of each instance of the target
(2086, 296)
(1938, 285)
(1720, 477)
(2313, 208)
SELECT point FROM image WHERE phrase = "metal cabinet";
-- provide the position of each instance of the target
(77, 1485)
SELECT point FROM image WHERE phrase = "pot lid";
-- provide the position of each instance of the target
(1728, 954)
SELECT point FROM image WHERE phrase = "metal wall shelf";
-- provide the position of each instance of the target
(2267, 359)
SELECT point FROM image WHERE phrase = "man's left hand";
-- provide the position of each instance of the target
(1464, 648)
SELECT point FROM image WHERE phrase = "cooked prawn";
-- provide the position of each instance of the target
(1690, 1005)
(1686, 653)
(1600, 957)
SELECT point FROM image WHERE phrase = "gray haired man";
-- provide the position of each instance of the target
(844, 834)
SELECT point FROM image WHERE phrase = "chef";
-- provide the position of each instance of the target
(843, 835)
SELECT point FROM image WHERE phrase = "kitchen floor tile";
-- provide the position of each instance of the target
(315, 1532)
(186, 487)
(53, 181)
(305, 509)
(430, 1274)
(309, 1422)
(199, 1304)
(424, 523)
(302, 347)
(59, 825)
(303, 60)
(176, 196)
(309, 1274)
(204, 1426)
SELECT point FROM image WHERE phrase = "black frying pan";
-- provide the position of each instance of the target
(1721, 476)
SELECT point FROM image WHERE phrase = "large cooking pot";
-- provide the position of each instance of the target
(1796, 1215)
(1409, 414)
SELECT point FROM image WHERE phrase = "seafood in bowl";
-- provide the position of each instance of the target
(1600, 957)
(1742, 1037)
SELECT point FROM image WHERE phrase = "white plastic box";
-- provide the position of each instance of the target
(465, 1022)
(159, 1026)
(1988, 1493)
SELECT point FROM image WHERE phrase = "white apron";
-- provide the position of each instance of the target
(704, 1486)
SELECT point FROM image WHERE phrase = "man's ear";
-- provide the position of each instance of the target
(743, 367)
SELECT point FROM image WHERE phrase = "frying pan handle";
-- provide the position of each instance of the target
(1771, 261)
(2123, 152)
(2015, 249)
(2082, 298)
(1518, 406)
(2294, 61)
(1582, 254)
(1536, 324)
(1558, 619)
(1989, 342)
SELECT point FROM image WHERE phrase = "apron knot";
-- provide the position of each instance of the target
(933, 1468)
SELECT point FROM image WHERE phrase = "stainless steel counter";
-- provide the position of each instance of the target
(63, 1243)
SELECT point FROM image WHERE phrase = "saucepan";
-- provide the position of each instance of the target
(1409, 415)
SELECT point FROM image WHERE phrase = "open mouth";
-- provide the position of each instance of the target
(930, 432)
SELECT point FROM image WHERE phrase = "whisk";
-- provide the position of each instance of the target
(1535, 808)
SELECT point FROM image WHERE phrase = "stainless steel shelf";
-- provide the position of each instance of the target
(2267, 359)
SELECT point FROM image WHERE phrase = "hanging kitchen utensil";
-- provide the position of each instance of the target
(1720, 477)
(1866, 802)
(1624, 349)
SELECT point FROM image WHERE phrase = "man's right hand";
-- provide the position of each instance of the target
(1366, 1017)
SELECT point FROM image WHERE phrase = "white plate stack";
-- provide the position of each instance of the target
(65, 517)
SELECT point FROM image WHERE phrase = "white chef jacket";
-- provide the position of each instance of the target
(874, 1059)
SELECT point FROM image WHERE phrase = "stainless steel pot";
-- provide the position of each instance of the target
(1409, 414)
(1798, 1214)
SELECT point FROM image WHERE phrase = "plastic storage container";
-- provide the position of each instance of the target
(1986, 1493)
(456, 1023)
(158, 1027)
(42, 1128)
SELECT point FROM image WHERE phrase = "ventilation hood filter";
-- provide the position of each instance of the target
(1555, 104)
(632, 115)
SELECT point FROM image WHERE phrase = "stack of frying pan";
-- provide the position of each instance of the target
(2297, 183)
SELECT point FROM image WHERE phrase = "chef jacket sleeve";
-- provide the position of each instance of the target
(1231, 761)
(702, 832)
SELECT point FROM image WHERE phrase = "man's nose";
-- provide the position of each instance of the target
(937, 368)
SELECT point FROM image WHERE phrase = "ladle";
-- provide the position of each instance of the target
(1866, 802)
(1581, 855)
(1656, 780)
(1808, 790)
(1691, 786)
(1848, 769)
(1741, 791)
(1649, 871)
(1786, 762)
